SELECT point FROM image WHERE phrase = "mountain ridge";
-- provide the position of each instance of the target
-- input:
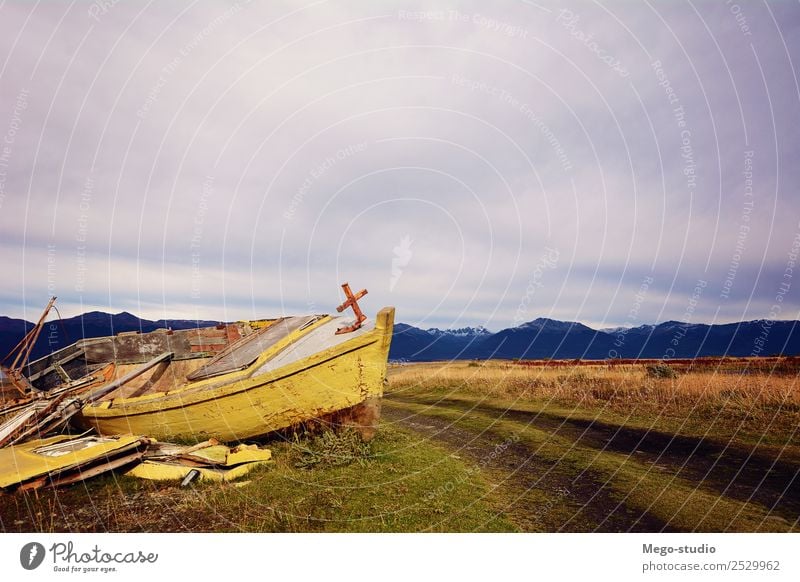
(548, 338)
(539, 338)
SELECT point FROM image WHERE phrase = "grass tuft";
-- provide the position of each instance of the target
(661, 371)
(335, 449)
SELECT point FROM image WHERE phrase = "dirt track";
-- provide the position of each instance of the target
(537, 495)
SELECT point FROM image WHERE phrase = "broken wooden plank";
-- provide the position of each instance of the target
(46, 415)
(16, 405)
(103, 390)
(11, 426)
(57, 363)
(208, 461)
(47, 420)
(83, 474)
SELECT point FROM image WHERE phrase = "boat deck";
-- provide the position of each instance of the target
(172, 375)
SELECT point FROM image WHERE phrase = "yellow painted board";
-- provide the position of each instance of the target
(20, 463)
(247, 454)
(224, 456)
(163, 471)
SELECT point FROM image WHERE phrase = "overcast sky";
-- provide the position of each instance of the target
(613, 163)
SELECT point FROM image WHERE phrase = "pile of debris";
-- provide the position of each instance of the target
(208, 461)
(40, 413)
(30, 459)
(66, 459)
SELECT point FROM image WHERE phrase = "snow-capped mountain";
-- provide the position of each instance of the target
(460, 332)
(549, 338)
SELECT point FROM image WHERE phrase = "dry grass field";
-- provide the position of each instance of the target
(657, 384)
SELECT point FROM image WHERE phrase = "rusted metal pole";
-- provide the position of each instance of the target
(25, 347)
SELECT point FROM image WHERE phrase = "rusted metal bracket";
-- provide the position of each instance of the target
(352, 301)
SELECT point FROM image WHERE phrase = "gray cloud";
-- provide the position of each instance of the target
(241, 159)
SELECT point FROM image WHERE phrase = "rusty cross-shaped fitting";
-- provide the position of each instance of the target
(351, 301)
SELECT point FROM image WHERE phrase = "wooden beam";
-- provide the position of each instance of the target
(103, 390)
(52, 367)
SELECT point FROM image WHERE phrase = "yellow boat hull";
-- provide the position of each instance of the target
(246, 404)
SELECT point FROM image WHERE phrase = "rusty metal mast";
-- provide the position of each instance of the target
(23, 350)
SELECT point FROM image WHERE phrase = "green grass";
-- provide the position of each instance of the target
(388, 486)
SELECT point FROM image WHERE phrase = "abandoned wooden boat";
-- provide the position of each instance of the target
(230, 382)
